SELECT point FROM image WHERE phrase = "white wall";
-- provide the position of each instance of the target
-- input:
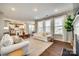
(76, 7)
(76, 32)
(1, 28)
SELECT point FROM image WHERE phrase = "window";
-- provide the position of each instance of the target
(48, 26)
(40, 26)
(31, 26)
(59, 25)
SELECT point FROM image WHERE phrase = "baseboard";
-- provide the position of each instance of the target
(63, 41)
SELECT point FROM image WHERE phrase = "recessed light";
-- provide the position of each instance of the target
(56, 10)
(6, 28)
(35, 9)
(13, 9)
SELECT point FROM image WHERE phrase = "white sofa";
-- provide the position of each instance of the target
(42, 36)
(11, 43)
(24, 45)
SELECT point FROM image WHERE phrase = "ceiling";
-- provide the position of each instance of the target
(33, 11)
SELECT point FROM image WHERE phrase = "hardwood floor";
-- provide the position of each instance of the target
(56, 49)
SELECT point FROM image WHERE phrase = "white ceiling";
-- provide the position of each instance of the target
(24, 11)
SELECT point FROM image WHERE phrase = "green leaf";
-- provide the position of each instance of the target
(68, 23)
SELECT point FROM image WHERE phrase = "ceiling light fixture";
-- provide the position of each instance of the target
(35, 9)
(6, 28)
(56, 10)
(13, 9)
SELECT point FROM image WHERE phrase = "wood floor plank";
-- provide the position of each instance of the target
(56, 49)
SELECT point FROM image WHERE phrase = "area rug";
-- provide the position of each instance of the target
(67, 52)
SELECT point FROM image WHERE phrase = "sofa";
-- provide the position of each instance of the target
(43, 36)
(5, 50)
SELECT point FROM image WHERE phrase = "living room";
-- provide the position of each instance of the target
(35, 28)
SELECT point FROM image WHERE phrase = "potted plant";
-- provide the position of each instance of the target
(69, 26)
